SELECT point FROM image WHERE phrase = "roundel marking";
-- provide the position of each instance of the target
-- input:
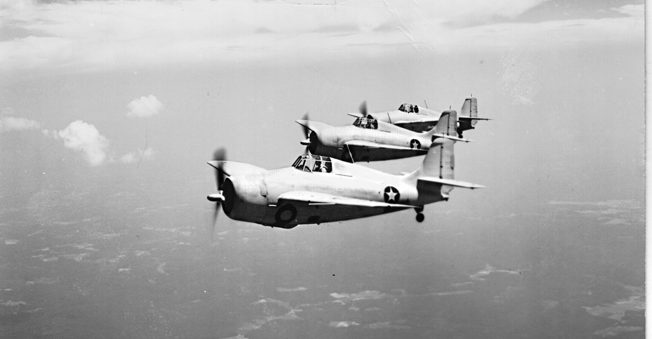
(391, 194)
(286, 214)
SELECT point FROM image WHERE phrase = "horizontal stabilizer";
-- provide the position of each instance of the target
(324, 199)
(473, 119)
(451, 137)
(451, 182)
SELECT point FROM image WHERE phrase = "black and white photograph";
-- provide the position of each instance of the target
(242, 169)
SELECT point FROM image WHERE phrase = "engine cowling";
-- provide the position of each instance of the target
(243, 197)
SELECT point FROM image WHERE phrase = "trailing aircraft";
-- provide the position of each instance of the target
(369, 139)
(318, 189)
(420, 119)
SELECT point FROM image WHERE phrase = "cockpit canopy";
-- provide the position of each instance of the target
(409, 108)
(366, 122)
(313, 163)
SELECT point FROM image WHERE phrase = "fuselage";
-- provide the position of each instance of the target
(258, 196)
(345, 142)
(416, 119)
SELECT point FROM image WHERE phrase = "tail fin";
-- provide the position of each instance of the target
(436, 176)
(446, 125)
(438, 164)
(439, 161)
(470, 108)
(468, 114)
(446, 128)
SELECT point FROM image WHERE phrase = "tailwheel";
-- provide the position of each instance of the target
(420, 216)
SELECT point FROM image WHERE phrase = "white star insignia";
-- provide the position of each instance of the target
(391, 195)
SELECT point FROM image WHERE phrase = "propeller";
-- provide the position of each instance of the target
(219, 155)
(308, 134)
(363, 108)
(306, 130)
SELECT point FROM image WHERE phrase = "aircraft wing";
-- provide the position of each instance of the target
(234, 167)
(418, 125)
(370, 144)
(355, 115)
(324, 199)
(431, 120)
(360, 150)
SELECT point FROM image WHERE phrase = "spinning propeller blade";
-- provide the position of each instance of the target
(306, 130)
(218, 155)
(306, 133)
(363, 108)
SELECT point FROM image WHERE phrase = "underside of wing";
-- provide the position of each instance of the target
(324, 199)
(417, 126)
(360, 150)
(370, 144)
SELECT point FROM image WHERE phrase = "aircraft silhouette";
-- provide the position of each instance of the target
(371, 140)
(318, 189)
(419, 119)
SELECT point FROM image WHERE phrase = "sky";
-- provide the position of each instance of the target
(112, 98)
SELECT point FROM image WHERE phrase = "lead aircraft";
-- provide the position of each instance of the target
(419, 119)
(369, 139)
(318, 189)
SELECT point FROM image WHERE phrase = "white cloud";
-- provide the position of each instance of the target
(144, 107)
(343, 324)
(364, 295)
(17, 124)
(137, 156)
(84, 137)
(101, 35)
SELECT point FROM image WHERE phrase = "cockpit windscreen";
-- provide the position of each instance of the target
(313, 163)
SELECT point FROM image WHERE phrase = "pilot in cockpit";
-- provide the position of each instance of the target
(409, 108)
(313, 163)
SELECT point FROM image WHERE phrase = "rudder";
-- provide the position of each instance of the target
(468, 113)
(470, 108)
(439, 161)
(446, 125)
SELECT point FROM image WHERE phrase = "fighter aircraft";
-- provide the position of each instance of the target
(318, 189)
(419, 119)
(370, 140)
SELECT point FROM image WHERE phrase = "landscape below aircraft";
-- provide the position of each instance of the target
(318, 189)
(371, 140)
(420, 119)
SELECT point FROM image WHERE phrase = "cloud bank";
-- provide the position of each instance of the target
(92, 35)
(144, 107)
